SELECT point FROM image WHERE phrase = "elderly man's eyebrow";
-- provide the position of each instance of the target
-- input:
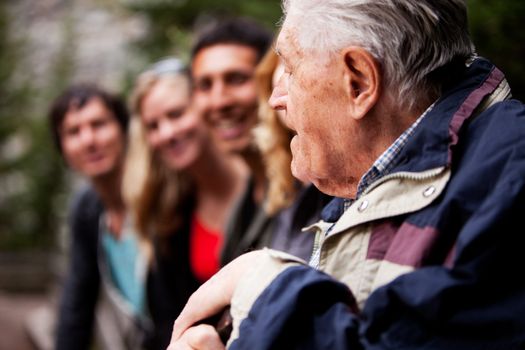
(279, 54)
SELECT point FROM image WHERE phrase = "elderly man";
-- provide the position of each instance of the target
(395, 114)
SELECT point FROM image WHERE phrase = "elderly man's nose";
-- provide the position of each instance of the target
(279, 97)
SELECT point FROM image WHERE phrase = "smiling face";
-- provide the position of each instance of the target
(313, 96)
(174, 130)
(226, 92)
(92, 140)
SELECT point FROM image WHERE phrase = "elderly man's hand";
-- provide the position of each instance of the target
(198, 337)
(210, 299)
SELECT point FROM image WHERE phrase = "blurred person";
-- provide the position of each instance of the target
(181, 202)
(89, 127)
(223, 61)
(295, 204)
(420, 138)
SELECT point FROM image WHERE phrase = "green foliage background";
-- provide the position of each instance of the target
(30, 174)
(172, 21)
(497, 30)
(33, 183)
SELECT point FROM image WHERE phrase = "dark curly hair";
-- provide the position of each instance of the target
(240, 30)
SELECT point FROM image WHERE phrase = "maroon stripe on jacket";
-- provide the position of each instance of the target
(449, 260)
(380, 240)
(470, 104)
(406, 245)
(412, 245)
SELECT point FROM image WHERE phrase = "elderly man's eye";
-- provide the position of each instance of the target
(287, 76)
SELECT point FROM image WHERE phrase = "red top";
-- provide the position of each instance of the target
(205, 247)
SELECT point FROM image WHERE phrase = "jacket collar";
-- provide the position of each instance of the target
(432, 144)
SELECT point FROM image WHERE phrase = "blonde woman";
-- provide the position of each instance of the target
(294, 203)
(180, 188)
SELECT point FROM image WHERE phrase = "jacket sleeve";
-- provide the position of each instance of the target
(302, 308)
(80, 291)
(477, 303)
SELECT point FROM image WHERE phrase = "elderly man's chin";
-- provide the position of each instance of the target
(325, 184)
(299, 172)
(306, 176)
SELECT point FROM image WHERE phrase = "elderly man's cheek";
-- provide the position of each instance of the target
(299, 161)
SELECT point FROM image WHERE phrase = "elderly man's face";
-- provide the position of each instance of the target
(313, 95)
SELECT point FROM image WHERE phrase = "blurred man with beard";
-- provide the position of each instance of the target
(224, 58)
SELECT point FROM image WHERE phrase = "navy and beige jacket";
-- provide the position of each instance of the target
(431, 256)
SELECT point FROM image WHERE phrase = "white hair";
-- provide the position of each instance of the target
(410, 38)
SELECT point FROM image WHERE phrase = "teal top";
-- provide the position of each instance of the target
(127, 267)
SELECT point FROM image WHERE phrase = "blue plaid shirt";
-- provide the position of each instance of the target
(386, 161)
(380, 168)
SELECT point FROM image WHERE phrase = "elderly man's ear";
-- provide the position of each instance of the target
(362, 79)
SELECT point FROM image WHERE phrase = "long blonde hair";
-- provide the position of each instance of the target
(273, 139)
(154, 193)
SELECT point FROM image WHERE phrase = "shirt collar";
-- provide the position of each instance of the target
(386, 161)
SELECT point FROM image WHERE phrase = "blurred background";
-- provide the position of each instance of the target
(47, 44)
